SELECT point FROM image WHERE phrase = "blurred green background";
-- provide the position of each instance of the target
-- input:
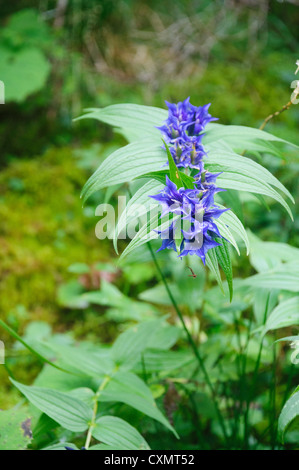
(59, 57)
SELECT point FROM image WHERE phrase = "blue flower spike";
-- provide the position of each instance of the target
(182, 133)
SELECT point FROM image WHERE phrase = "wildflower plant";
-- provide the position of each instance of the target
(198, 162)
(186, 166)
(187, 162)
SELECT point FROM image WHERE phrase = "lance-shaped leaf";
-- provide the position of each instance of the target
(173, 171)
(213, 265)
(138, 120)
(238, 137)
(138, 206)
(230, 219)
(285, 314)
(240, 182)
(117, 432)
(223, 256)
(283, 277)
(128, 388)
(149, 232)
(69, 412)
(124, 165)
(233, 162)
(289, 412)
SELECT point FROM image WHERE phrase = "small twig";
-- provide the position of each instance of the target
(192, 272)
(271, 116)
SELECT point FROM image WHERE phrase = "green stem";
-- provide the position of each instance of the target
(191, 342)
(242, 376)
(95, 410)
(195, 417)
(250, 393)
(273, 400)
(238, 406)
(289, 384)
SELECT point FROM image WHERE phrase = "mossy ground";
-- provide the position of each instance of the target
(43, 231)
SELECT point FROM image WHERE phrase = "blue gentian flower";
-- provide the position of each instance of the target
(178, 201)
(197, 210)
(183, 132)
(167, 236)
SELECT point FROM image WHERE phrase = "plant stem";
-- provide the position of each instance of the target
(238, 407)
(257, 365)
(271, 116)
(95, 410)
(289, 384)
(191, 342)
(273, 400)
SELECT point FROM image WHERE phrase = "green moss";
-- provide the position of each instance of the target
(43, 231)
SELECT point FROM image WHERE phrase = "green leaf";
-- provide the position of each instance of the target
(283, 277)
(148, 232)
(79, 268)
(70, 295)
(231, 199)
(187, 291)
(128, 388)
(264, 303)
(123, 307)
(124, 165)
(26, 27)
(129, 345)
(61, 381)
(117, 432)
(104, 447)
(265, 256)
(288, 338)
(230, 219)
(83, 394)
(241, 182)
(165, 337)
(212, 263)
(173, 171)
(163, 361)
(23, 72)
(289, 412)
(226, 233)
(69, 412)
(143, 201)
(140, 120)
(18, 338)
(239, 137)
(96, 363)
(235, 163)
(223, 256)
(61, 446)
(188, 181)
(285, 314)
(15, 429)
(145, 205)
